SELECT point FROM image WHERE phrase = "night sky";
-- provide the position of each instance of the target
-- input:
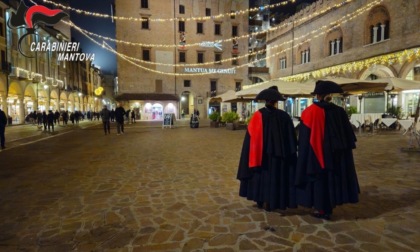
(105, 59)
(102, 26)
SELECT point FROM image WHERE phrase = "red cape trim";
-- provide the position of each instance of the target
(314, 118)
(255, 130)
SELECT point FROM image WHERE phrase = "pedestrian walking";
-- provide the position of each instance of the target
(45, 120)
(119, 117)
(133, 117)
(39, 117)
(106, 116)
(77, 116)
(268, 159)
(3, 123)
(65, 117)
(72, 117)
(112, 115)
(325, 171)
(50, 120)
(57, 117)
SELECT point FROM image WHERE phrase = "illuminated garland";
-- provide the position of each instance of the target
(388, 59)
(316, 33)
(358, 12)
(246, 36)
(134, 19)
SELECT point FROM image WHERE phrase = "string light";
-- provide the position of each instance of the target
(358, 12)
(332, 25)
(408, 55)
(246, 36)
(134, 19)
(321, 72)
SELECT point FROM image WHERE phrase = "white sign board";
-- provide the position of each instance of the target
(218, 45)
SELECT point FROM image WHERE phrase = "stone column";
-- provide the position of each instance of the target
(338, 45)
(307, 56)
(382, 32)
(47, 101)
(375, 34)
(21, 110)
(332, 47)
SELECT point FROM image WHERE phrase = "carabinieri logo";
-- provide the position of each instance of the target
(31, 17)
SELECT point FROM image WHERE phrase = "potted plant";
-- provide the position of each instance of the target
(395, 111)
(230, 118)
(214, 119)
(351, 110)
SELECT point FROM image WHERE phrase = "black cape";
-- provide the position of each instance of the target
(272, 182)
(336, 183)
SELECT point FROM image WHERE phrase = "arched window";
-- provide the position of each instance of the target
(283, 62)
(378, 25)
(334, 42)
(304, 52)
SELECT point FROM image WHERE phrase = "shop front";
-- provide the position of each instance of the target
(149, 107)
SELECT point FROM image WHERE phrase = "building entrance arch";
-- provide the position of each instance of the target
(187, 104)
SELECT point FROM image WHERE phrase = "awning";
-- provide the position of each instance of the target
(399, 84)
(147, 97)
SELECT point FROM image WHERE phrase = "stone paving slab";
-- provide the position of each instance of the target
(155, 189)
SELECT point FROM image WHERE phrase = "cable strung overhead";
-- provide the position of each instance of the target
(315, 33)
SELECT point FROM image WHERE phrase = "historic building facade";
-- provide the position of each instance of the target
(40, 81)
(360, 39)
(178, 63)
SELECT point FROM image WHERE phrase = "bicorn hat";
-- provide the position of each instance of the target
(326, 87)
(270, 94)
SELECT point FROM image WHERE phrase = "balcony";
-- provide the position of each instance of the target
(22, 73)
(50, 81)
(258, 70)
(59, 83)
(36, 77)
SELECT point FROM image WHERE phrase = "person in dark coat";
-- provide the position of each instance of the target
(45, 120)
(106, 116)
(50, 120)
(133, 117)
(72, 117)
(39, 117)
(57, 117)
(119, 117)
(77, 115)
(268, 159)
(325, 172)
(112, 115)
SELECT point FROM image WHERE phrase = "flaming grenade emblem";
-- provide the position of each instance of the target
(30, 17)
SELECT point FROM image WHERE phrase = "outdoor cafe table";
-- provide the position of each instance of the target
(359, 119)
(406, 124)
(388, 121)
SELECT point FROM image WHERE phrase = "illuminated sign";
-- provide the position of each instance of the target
(99, 90)
(210, 70)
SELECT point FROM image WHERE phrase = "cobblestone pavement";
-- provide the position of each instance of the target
(154, 189)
